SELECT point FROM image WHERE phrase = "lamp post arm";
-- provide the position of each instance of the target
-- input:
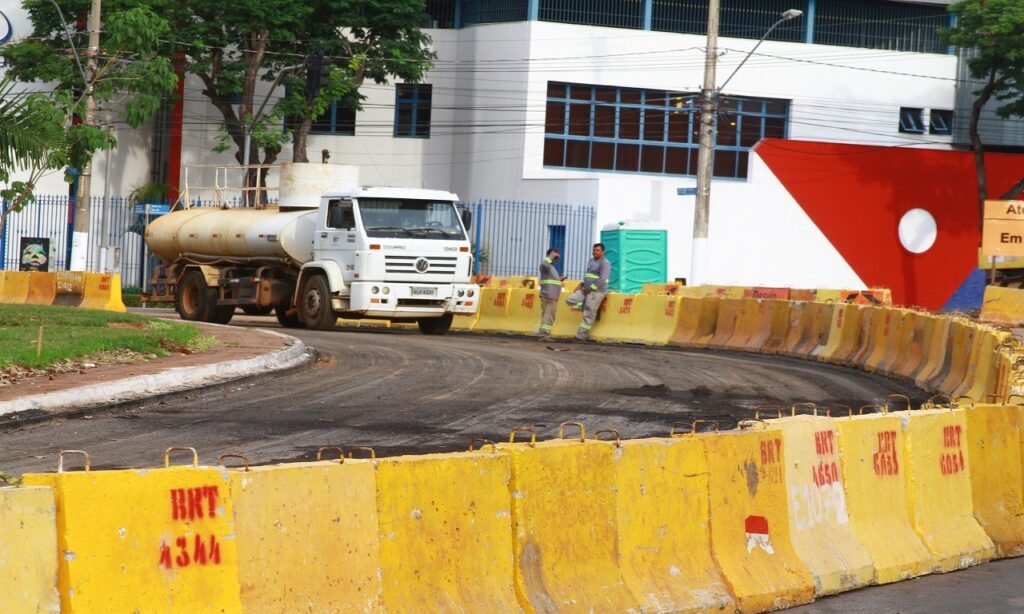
(71, 42)
(751, 52)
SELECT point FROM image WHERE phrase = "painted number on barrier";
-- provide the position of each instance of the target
(187, 506)
(771, 460)
(527, 301)
(670, 309)
(823, 498)
(952, 460)
(627, 306)
(886, 459)
(499, 299)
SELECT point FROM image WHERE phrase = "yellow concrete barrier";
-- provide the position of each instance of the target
(848, 335)
(778, 330)
(818, 519)
(564, 525)
(165, 538)
(663, 530)
(936, 351)
(884, 329)
(465, 322)
(803, 294)
(815, 330)
(994, 448)
(307, 537)
(724, 291)
(70, 288)
(911, 345)
(982, 370)
(751, 321)
(28, 550)
(697, 320)
(103, 291)
(750, 534)
(14, 288)
(618, 312)
(899, 333)
(42, 288)
(940, 489)
(875, 475)
(446, 538)
(656, 318)
(660, 289)
(1003, 305)
(798, 313)
(962, 338)
(866, 344)
(567, 319)
(493, 309)
(725, 326)
(522, 315)
(927, 321)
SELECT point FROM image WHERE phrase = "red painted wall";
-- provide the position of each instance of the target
(856, 195)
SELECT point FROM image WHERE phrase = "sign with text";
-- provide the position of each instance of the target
(1003, 230)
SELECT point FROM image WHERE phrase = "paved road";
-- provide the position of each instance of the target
(404, 392)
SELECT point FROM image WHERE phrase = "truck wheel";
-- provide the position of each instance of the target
(192, 299)
(222, 314)
(435, 326)
(256, 310)
(315, 304)
(285, 320)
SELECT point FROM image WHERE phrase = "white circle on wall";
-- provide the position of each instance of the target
(918, 231)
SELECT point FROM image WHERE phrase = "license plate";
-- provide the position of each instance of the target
(424, 291)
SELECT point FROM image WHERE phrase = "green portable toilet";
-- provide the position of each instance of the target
(638, 253)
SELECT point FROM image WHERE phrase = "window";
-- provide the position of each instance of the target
(386, 218)
(910, 120)
(652, 131)
(412, 110)
(339, 118)
(340, 215)
(941, 122)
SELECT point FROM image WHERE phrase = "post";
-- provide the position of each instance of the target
(80, 236)
(245, 165)
(104, 241)
(705, 157)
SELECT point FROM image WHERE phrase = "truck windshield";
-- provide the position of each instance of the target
(421, 219)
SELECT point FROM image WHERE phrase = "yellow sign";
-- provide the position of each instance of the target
(1003, 231)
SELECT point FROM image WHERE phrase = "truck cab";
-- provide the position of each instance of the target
(388, 253)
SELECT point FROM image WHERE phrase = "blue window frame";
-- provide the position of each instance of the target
(911, 121)
(941, 122)
(412, 110)
(652, 131)
(339, 118)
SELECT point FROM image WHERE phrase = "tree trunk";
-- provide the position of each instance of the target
(300, 133)
(979, 148)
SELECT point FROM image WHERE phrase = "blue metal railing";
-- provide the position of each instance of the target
(880, 25)
(609, 13)
(493, 11)
(511, 237)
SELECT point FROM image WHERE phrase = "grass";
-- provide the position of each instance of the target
(71, 333)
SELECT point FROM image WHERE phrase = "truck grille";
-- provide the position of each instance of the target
(438, 265)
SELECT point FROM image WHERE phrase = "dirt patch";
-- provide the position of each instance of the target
(128, 325)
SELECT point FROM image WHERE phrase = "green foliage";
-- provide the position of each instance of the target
(152, 192)
(31, 138)
(73, 333)
(995, 28)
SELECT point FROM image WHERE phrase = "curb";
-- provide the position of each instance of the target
(177, 379)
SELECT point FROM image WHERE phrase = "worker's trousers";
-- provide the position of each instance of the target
(548, 309)
(590, 304)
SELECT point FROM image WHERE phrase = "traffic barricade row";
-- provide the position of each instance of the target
(788, 507)
(67, 288)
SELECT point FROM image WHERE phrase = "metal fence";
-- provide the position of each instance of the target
(511, 237)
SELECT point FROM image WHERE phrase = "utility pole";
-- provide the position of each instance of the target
(80, 236)
(705, 155)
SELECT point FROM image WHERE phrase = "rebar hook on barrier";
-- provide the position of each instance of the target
(792, 408)
(320, 453)
(245, 461)
(578, 425)
(618, 440)
(849, 410)
(167, 455)
(932, 401)
(776, 408)
(903, 397)
(523, 429)
(483, 442)
(879, 409)
(371, 451)
(60, 459)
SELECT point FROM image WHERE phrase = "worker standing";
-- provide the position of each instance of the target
(550, 289)
(590, 294)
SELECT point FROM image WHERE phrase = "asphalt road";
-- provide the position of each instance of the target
(402, 392)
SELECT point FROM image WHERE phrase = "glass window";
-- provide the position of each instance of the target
(910, 120)
(631, 130)
(339, 118)
(340, 215)
(388, 218)
(941, 122)
(412, 110)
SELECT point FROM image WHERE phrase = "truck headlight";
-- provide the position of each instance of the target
(469, 293)
(462, 293)
(375, 290)
(387, 290)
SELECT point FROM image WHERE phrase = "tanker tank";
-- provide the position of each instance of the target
(215, 233)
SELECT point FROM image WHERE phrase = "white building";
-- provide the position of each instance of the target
(592, 102)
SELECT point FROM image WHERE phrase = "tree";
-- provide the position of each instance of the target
(994, 29)
(32, 140)
(349, 43)
(131, 75)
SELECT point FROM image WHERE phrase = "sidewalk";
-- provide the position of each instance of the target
(241, 352)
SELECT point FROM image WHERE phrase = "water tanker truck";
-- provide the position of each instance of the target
(392, 254)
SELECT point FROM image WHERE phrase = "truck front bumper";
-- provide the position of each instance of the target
(405, 300)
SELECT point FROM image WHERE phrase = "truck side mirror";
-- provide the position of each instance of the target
(467, 218)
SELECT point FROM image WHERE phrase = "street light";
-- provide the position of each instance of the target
(705, 155)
